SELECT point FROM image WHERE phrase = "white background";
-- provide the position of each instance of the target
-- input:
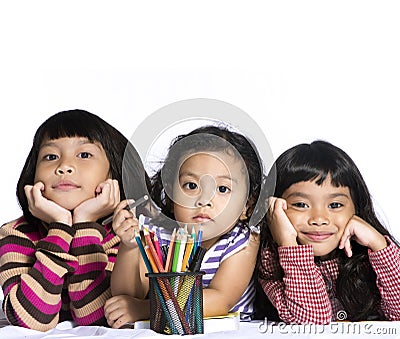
(301, 69)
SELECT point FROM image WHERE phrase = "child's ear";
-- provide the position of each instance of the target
(243, 216)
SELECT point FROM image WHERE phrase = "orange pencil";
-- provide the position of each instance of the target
(153, 251)
(170, 254)
(151, 259)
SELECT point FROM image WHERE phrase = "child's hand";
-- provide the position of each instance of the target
(363, 233)
(106, 199)
(43, 208)
(122, 309)
(125, 224)
(281, 228)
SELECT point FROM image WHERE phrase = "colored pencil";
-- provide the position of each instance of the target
(194, 243)
(188, 253)
(143, 252)
(165, 294)
(173, 306)
(158, 248)
(199, 235)
(153, 251)
(181, 250)
(128, 207)
(151, 259)
(176, 251)
(170, 254)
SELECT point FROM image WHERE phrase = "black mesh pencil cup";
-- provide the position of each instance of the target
(176, 302)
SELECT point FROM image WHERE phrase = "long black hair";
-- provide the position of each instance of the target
(121, 154)
(356, 283)
(203, 139)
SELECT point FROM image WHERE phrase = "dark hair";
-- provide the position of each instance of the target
(208, 138)
(356, 283)
(121, 154)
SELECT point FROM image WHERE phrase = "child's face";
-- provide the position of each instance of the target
(71, 169)
(319, 213)
(211, 189)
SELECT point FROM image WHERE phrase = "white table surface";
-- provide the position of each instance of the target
(254, 329)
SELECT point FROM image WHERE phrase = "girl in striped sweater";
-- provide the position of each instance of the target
(56, 260)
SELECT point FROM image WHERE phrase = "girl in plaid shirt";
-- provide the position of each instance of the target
(325, 255)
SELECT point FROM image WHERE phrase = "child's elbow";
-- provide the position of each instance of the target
(217, 309)
(37, 326)
(26, 320)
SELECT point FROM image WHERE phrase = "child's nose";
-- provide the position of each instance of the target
(202, 203)
(64, 169)
(318, 220)
(207, 191)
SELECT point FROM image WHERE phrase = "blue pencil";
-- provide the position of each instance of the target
(199, 235)
(143, 252)
(194, 244)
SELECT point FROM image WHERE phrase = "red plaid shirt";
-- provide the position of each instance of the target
(306, 293)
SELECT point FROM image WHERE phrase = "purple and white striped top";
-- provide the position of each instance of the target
(229, 244)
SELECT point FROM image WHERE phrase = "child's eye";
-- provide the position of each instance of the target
(300, 204)
(335, 205)
(84, 155)
(223, 189)
(190, 186)
(50, 157)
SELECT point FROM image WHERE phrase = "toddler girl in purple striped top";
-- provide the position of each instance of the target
(211, 178)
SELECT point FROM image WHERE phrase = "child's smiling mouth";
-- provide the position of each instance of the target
(318, 236)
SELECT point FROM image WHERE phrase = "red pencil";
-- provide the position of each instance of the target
(153, 251)
(158, 248)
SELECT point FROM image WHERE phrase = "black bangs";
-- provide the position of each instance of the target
(315, 161)
(121, 154)
(356, 287)
(209, 138)
(74, 123)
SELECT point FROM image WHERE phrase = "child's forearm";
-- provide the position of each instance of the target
(215, 303)
(386, 264)
(128, 274)
(89, 286)
(231, 281)
(304, 294)
(300, 297)
(38, 274)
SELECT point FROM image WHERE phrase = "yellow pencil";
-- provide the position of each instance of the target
(188, 251)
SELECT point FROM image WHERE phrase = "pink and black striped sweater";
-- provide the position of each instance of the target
(56, 272)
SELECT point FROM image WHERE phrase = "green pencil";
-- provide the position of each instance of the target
(176, 251)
